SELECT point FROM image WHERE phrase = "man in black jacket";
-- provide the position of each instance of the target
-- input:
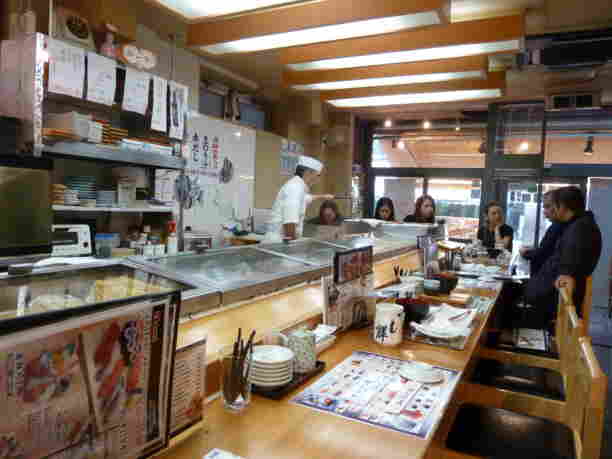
(574, 259)
(538, 256)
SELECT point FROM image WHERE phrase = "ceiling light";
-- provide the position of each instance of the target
(401, 145)
(416, 98)
(388, 81)
(238, 134)
(334, 32)
(524, 146)
(442, 52)
(458, 125)
(588, 149)
(194, 10)
(388, 123)
(426, 124)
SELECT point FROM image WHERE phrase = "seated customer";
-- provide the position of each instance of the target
(328, 215)
(538, 256)
(424, 211)
(495, 233)
(385, 210)
(574, 259)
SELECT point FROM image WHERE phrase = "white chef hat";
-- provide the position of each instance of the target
(310, 163)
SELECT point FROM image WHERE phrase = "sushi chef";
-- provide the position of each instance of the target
(287, 220)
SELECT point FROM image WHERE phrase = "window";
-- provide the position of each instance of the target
(402, 191)
(457, 201)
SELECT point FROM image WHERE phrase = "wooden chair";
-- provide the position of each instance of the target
(574, 432)
(587, 304)
(525, 373)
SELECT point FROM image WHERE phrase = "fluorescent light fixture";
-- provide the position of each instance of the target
(426, 124)
(388, 123)
(457, 128)
(401, 145)
(389, 81)
(524, 146)
(326, 33)
(414, 55)
(192, 9)
(422, 98)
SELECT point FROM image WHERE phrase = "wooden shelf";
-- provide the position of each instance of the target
(90, 151)
(59, 208)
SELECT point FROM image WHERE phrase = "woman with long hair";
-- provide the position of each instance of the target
(495, 233)
(385, 210)
(424, 211)
(329, 214)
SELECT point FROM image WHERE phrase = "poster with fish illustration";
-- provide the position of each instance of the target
(125, 360)
(43, 397)
(93, 386)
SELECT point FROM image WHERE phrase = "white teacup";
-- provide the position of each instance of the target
(389, 324)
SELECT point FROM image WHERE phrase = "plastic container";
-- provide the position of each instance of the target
(104, 245)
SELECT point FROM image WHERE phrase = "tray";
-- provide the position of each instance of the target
(298, 380)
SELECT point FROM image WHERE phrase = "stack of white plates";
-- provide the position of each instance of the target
(272, 366)
(71, 198)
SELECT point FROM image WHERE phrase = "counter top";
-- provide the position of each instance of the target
(284, 430)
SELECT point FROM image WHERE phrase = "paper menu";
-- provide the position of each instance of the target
(179, 97)
(159, 119)
(188, 386)
(66, 69)
(221, 454)
(43, 386)
(101, 79)
(136, 91)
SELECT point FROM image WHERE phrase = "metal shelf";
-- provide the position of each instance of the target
(59, 208)
(90, 151)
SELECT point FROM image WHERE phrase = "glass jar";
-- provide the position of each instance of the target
(104, 245)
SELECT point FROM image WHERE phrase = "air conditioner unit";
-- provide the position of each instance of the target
(576, 101)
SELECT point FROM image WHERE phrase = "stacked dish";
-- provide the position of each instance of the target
(71, 198)
(106, 198)
(272, 366)
(84, 185)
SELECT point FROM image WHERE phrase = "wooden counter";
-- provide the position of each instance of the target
(279, 429)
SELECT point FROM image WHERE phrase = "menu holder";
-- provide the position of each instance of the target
(298, 380)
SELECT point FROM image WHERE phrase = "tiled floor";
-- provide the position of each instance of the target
(601, 327)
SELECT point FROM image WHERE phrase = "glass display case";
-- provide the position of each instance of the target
(51, 294)
(312, 252)
(240, 273)
(383, 248)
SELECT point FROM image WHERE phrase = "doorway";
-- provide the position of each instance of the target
(599, 192)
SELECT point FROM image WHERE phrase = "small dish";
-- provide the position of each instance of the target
(421, 372)
(271, 355)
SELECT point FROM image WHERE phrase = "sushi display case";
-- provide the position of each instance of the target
(240, 273)
(310, 251)
(86, 358)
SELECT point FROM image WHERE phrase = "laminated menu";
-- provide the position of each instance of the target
(372, 389)
(188, 387)
(89, 387)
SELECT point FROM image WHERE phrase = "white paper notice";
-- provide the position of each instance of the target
(101, 79)
(159, 119)
(179, 95)
(136, 91)
(66, 69)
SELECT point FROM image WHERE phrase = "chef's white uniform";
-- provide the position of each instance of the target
(289, 207)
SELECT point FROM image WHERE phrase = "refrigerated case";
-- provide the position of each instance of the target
(311, 251)
(85, 360)
(239, 273)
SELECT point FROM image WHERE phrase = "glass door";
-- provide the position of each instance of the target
(522, 212)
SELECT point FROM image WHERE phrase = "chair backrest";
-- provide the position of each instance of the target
(586, 400)
(587, 304)
(573, 331)
(565, 300)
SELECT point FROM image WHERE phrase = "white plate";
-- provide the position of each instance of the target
(267, 354)
(272, 384)
(421, 372)
(277, 381)
(271, 372)
(438, 333)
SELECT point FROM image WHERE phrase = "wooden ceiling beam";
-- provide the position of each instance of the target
(461, 64)
(308, 15)
(495, 80)
(460, 33)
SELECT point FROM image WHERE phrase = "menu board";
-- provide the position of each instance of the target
(97, 384)
(369, 388)
(347, 292)
(188, 387)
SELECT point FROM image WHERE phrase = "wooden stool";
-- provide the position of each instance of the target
(483, 431)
